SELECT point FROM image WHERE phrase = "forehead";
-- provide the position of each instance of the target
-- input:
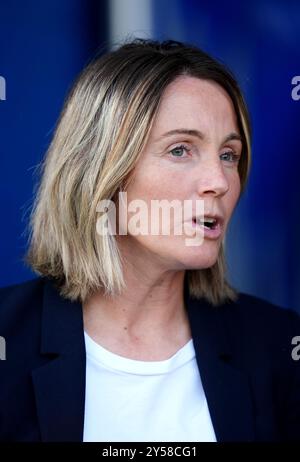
(198, 103)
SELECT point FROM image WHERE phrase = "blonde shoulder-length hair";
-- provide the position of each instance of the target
(102, 129)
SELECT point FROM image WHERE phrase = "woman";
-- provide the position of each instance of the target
(137, 336)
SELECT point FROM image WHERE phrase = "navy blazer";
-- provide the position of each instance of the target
(243, 351)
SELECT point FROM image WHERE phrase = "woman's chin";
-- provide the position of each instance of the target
(199, 260)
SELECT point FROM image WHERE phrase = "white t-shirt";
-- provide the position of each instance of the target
(131, 400)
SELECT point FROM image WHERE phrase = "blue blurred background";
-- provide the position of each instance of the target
(43, 46)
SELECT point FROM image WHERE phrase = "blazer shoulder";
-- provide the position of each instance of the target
(20, 300)
(260, 309)
(19, 288)
(262, 320)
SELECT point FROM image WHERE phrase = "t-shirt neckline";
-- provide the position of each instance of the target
(116, 362)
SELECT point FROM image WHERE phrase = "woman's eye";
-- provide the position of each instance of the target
(230, 156)
(178, 151)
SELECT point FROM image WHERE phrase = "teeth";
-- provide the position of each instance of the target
(208, 220)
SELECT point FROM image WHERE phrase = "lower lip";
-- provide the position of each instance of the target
(209, 233)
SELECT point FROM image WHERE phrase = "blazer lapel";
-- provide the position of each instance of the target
(59, 384)
(227, 388)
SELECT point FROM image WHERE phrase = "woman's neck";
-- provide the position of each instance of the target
(148, 321)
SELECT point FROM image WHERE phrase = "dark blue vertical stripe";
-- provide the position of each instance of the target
(43, 45)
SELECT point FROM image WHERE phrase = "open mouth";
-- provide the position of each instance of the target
(209, 223)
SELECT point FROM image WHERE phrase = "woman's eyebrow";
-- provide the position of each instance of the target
(198, 134)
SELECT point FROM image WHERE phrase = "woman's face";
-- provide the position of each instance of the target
(197, 161)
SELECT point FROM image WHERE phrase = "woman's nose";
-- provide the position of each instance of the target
(212, 177)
